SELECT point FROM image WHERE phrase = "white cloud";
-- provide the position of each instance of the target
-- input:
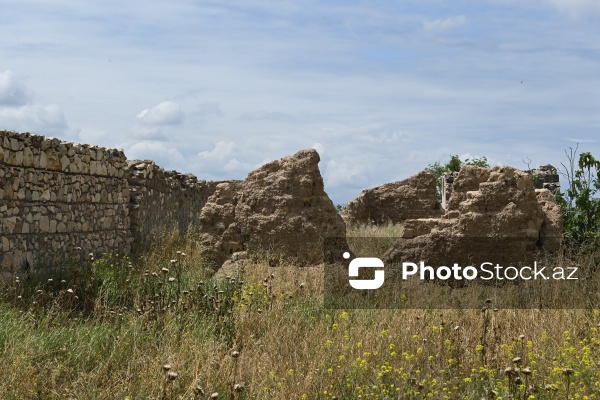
(268, 116)
(33, 117)
(20, 112)
(220, 152)
(13, 92)
(345, 173)
(165, 113)
(444, 24)
(234, 165)
(225, 156)
(319, 148)
(159, 152)
(206, 109)
(577, 8)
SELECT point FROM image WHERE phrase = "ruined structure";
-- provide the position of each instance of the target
(395, 202)
(544, 177)
(281, 209)
(60, 200)
(163, 200)
(494, 213)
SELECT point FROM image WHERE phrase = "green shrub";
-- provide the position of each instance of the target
(580, 203)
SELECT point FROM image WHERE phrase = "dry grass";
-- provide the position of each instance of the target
(267, 332)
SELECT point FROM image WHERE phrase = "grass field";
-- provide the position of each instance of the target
(159, 327)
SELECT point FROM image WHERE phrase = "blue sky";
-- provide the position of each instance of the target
(380, 88)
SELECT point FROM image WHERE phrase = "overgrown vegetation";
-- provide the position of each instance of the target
(580, 203)
(453, 165)
(160, 328)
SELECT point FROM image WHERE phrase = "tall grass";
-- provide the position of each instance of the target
(159, 327)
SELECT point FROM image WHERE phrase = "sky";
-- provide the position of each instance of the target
(380, 88)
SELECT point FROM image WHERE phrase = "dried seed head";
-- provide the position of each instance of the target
(173, 262)
(488, 301)
(238, 387)
(172, 375)
(198, 390)
(167, 367)
(235, 354)
(50, 280)
(70, 291)
(302, 285)
(526, 371)
(171, 279)
(456, 327)
(517, 360)
(518, 380)
(165, 270)
(215, 395)
(568, 371)
(522, 337)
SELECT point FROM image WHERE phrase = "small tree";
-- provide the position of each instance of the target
(580, 204)
(453, 165)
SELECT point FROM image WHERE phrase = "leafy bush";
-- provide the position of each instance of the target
(580, 203)
(454, 165)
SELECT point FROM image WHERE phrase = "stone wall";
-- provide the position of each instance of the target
(546, 177)
(59, 199)
(162, 200)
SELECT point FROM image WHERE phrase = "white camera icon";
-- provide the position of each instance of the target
(365, 262)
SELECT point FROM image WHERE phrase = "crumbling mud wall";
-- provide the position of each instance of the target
(544, 177)
(59, 199)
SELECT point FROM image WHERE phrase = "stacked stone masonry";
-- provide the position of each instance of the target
(163, 200)
(62, 200)
(58, 199)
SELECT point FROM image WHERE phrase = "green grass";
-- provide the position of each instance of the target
(111, 336)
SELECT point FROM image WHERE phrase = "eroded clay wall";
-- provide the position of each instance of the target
(59, 199)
